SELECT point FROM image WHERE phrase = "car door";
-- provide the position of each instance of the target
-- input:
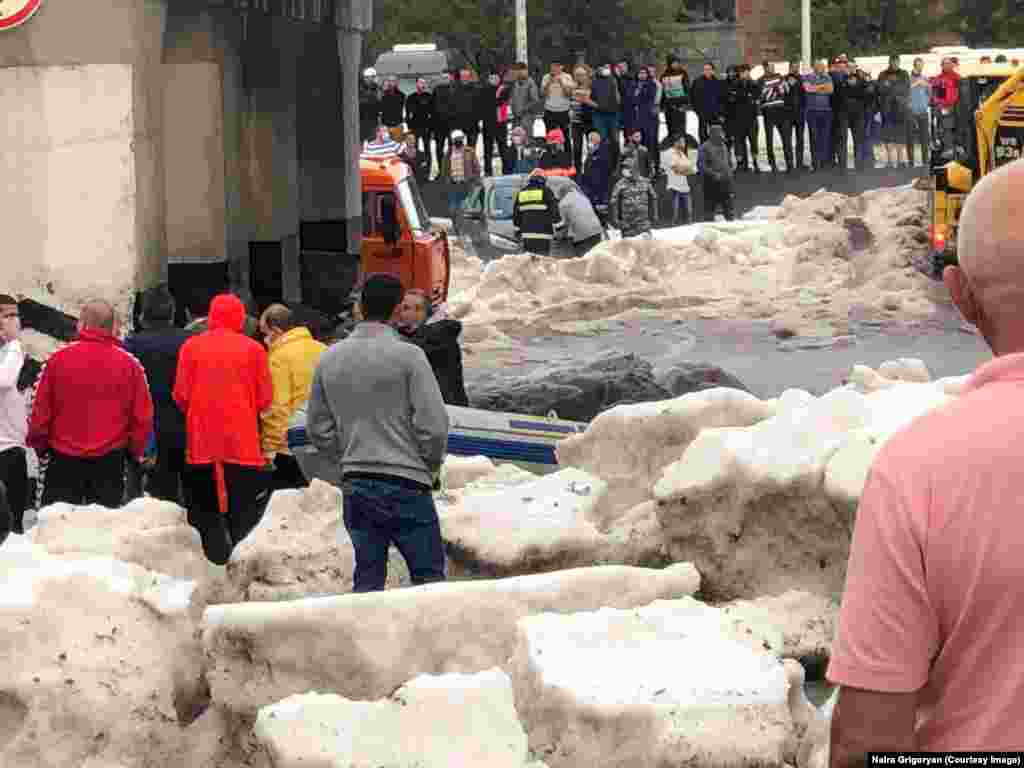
(471, 220)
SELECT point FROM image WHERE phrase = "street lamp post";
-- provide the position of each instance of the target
(805, 31)
(521, 31)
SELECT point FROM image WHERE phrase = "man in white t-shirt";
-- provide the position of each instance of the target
(13, 421)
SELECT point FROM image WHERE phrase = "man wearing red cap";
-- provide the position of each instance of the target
(222, 386)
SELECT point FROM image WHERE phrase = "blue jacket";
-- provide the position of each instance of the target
(644, 107)
(597, 174)
(819, 102)
(158, 352)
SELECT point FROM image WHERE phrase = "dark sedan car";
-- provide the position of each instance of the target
(484, 222)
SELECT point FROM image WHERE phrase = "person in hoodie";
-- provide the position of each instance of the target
(597, 172)
(438, 336)
(522, 155)
(583, 226)
(491, 99)
(222, 386)
(715, 165)
(369, 105)
(157, 347)
(444, 116)
(292, 354)
(708, 100)
(557, 158)
(633, 208)
(92, 407)
(13, 421)
(535, 214)
(392, 108)
(645, 116)
(419, 114)
(525, 99)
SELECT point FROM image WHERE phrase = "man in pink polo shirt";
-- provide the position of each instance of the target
(929, 649)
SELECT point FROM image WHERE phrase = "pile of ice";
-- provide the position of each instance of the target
(804, 266)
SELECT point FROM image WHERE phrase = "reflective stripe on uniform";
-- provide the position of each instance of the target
(531, 196)
(536, 236)
(532, 207)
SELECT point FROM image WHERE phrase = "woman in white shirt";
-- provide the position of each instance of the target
(677, 166)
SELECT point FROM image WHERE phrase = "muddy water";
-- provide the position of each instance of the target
(749, 350)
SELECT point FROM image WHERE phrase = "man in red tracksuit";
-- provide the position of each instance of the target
(222, 385)
(92, 405)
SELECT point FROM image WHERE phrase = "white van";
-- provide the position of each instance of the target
(410, 62)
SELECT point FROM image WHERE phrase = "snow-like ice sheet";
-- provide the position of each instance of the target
(668, 683)
(430, 722)
(804, 270)
(364, 646)
(769, 507)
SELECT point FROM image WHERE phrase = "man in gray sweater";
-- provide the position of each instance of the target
(375, 408)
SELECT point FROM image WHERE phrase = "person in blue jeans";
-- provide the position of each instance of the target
(819, 88)
(375, 409)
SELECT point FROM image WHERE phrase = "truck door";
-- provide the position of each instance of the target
(388, 248)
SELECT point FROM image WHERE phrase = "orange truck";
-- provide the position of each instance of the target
(397, 238)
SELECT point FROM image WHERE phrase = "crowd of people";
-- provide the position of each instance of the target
(598, 121)
(199, 415)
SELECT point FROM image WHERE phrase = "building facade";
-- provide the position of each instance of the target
(208, 142)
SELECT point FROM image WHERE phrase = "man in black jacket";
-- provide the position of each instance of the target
(535, 214)
(708, 100)
(157, 348)
(392, 108)
(796, 99)
(369, 105)
(419, 114)
(444, 115)
(742, 99)
(489, 98)
(438, 337)
(466, 105)
(859, 96)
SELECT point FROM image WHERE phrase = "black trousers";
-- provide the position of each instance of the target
(14, 489)
(495, 133)
(780, 122)
(541, 246)
(745, 132)
(442, 134)
(248, 494)
(422, 138)
(797, 138)
(554, 120)
(583, 247)
(78, 480)
(857, 123)
(718, 194)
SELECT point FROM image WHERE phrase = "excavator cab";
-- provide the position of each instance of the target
(989, 132)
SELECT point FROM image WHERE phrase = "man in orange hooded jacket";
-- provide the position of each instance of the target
(222, 385)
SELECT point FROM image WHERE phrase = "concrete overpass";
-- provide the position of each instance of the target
(211, 141)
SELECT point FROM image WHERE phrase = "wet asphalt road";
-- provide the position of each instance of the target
(749, 350)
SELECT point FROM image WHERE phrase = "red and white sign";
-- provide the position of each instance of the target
(14, 13)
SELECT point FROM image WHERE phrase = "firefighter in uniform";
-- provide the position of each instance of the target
(535, 215)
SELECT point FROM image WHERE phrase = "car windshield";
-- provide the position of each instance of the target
(502, 197)
(412, 204)
(502, 201)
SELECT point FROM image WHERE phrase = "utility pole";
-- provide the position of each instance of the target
(805, 29)
(521, 52)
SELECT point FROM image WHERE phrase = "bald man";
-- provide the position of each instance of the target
(928, 649)
(92, 407)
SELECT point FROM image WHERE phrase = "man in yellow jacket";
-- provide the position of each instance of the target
(293, 355)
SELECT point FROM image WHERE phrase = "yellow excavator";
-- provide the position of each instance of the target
(988, 132)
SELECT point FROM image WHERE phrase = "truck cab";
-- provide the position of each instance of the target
(397, 238)
(989, 133)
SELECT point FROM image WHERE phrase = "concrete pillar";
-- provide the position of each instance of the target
(355, 19)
